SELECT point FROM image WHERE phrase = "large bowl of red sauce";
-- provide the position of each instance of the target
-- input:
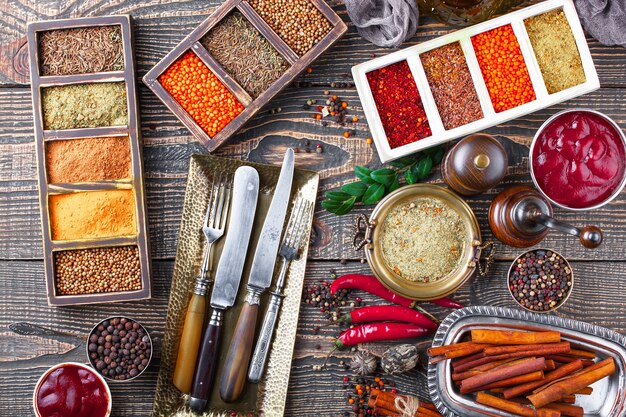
(72, 390)
(578, 159)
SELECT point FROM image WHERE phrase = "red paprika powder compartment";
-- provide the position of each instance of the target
(520, 91)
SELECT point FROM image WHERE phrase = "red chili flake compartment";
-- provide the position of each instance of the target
(198, 90)
(399, 104)
(452, 86)
(503, 68)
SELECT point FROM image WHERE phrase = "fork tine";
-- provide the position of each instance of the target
(220, 204)
(214, 203)
(301, 228)
(298, 210)
(221, 222)
(207, 216)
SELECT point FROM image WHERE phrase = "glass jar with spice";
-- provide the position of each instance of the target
(464, 12)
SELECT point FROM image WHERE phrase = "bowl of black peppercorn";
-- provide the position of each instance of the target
(119, 348)
(540, 280)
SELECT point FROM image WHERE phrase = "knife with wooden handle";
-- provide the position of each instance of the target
(240, 350)
(227, 279)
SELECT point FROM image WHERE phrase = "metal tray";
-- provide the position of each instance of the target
(608, 398)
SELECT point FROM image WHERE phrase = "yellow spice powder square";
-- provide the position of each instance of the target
(92, 215)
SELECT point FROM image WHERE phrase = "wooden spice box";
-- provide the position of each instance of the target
(490, 117)
(133, 182)
(251, 106)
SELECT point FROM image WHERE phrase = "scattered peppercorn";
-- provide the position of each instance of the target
(332, 306)
(346, 134)
(119, 348)
(399, 104)
(355, 119)
(540, 280)
(368, 141)
(200, 93)
(309, 70)
(503, 67)
(88, 271)
(298, 22)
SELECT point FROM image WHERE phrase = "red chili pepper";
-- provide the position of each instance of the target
(375, 332)
(370, 284)
(391, 313)
(447, 303)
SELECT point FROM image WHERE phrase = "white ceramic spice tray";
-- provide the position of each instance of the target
(491, 118)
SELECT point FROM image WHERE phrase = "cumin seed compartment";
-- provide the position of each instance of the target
(491, 118)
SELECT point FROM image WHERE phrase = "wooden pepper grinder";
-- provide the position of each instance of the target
(521, 216)
(475, 164)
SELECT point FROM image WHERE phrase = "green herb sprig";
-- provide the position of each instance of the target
(373, 185)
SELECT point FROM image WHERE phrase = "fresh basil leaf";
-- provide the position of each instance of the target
(410, 177)
(384, 176)
(356, 188)
(438, 157)
(337, 196)
(423, 167)
(402, 163)
(363, 174)
(338, 207)
(395, 184)
(374, 193)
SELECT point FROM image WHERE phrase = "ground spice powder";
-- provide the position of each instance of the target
(245, 54)
(555, 49)
(452, 86)
(399, 104)
(89, 271)
(84, 105)
(92, 214)
(201, 93)
(81, 50)
(88, 159)
(503, 67)
(298, 22)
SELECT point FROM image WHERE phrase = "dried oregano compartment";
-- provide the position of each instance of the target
(90, 172)
(238, 59)
(470, 80)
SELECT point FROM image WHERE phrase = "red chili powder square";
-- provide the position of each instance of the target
(503, 67)
(399, 104)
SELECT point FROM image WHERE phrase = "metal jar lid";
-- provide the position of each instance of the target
(475, 164)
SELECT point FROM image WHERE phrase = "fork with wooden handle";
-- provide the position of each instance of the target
(213, 229)
(294, 234)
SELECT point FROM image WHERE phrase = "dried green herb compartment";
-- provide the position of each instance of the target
(278, 58)
(88, 148)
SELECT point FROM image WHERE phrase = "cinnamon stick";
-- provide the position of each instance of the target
(512, 407)
(468, 359)
(516, 380)
(549, 377)
(568, 359)
(561, 347)
(544, 351)
(465, 351)
(460, 376)
(505, 372)
(568, 409)
(441, 350)
(574, 383)
(511, 337)
(585, 391)
(550, 365)
(579, 353)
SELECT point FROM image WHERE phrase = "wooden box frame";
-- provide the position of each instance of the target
(131, 130)
(252, 106)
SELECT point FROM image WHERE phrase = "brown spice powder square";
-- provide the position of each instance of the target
(92, 214)
(88, 159)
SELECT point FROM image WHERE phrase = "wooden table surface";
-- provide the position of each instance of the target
(58, 333)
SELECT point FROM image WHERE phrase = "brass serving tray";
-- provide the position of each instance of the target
(423, 291)
(608, 398)
(270, 394)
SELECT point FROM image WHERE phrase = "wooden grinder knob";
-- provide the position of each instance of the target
(591, 237)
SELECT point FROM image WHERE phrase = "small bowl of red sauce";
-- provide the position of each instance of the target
(578, 159)
(72, 390)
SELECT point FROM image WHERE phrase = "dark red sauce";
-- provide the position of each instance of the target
(72, 391)
(578, 159)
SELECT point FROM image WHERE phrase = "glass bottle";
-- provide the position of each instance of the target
(464, 12)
